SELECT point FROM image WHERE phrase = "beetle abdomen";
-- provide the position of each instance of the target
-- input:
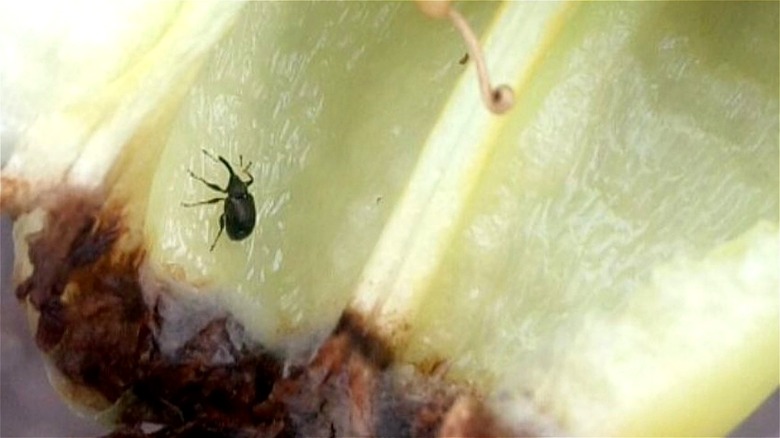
(239, 217)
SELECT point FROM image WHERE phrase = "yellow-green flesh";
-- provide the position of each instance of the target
(606, 264)
(331, 103)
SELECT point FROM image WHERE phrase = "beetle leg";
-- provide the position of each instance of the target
(210, 155)
(219, 233)
(211, 185)
(210, 201)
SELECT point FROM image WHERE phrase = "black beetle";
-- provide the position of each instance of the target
(239, 214)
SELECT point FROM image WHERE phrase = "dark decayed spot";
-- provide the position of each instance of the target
(363, 340)
(101, 333)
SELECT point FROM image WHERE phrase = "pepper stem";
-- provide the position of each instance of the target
(499, 99)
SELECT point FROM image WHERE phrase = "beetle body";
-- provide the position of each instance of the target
(239, 215)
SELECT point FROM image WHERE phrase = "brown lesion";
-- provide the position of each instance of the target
(351, 389)
(17, 196)
(87, 295)
(71, 253)
(101, 326)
